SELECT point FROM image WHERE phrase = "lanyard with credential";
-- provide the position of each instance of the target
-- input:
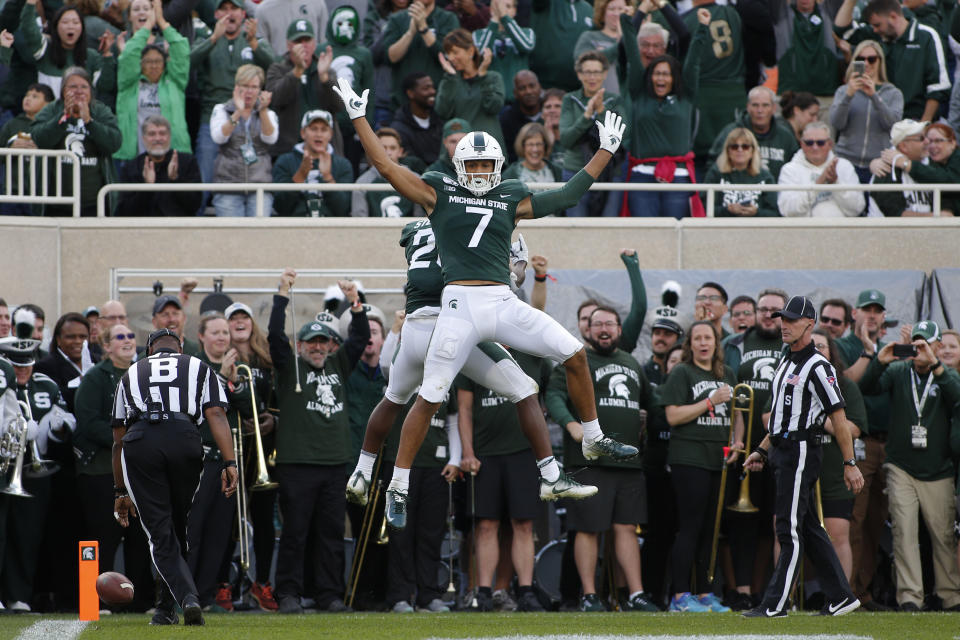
(919, 402)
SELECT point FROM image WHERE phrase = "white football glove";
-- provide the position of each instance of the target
(611, 131)
(356, 105)
(518, 250)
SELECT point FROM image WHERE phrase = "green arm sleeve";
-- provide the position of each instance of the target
(633, 323)
(546, 202)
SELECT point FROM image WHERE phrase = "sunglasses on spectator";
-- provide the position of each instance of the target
(766, 311)
(837, 322)
(740, 146)
(867, 59)
(125, 336)
(819, 143)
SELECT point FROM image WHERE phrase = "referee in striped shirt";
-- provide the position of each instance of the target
(157, 459)
(804, 394)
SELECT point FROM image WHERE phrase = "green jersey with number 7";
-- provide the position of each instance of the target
(474, 232)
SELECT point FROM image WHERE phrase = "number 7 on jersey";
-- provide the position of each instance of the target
(485, 215)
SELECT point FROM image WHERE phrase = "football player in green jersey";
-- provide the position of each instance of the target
(473, 219)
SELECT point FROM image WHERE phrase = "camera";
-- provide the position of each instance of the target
(904, 350)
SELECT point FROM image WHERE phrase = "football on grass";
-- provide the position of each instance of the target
(114, 588)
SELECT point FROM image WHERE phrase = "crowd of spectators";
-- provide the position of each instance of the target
(672, 400)
(91, 77)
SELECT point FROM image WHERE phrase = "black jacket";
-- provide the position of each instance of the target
(62, 372)
(160, 203)
(422, 143)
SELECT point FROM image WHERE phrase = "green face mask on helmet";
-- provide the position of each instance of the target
(344, 25)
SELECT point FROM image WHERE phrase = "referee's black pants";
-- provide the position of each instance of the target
(796, 467)
(161, 468)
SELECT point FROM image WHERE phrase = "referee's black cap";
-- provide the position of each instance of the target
(160, 333)
(797, 307)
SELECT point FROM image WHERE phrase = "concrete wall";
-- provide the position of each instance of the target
(64, 264)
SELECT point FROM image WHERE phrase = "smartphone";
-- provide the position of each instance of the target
(904, 350)
(859, 67)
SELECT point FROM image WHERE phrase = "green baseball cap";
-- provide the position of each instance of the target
(455, 125)
(313, 329)
(871, 296)
(927, 329)
(300, 28)
(236, 3)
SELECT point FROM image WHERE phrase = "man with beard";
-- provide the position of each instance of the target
(754, 355)
(858, 349)
(420, 128)
(622, 394)
(311, 397)
(159, 164)
(525, 108)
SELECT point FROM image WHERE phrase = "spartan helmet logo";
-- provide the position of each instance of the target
(343, 67)
(344, 25)
(325, 395)
(618, 386)
(390, 207)
(74, 142)
(720, 410)
(302, 25)
(764, 368)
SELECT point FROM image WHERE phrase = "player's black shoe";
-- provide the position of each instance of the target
(192, 612)
(843, 607)
(607, 446)
(764, 612)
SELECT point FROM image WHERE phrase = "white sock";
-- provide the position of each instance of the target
(549, 469)
(401, 479)
(591, 430)
(365, 464)
(635, 594)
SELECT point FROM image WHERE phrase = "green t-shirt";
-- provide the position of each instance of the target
(473, 233)
(759, 358)
(621, 390)
(700, 442)
(832, 486)
(496, 425)
(424, 277)
(434, 452)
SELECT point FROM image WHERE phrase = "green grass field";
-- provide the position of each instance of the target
(892, 626)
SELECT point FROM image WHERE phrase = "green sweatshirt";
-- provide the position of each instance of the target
(808, 65)
(353, 61)
(102, 70)
(765, 201)
(298, 203)
(95, 142)
(661, 127)
(621, 390)
(419, 56)
(93, 405)
(900, 380)
(832, 485)
(633, 324)
(935, 172)
(511, 45)
(777, 145)
(700, 442)
(496, 425)
(365, 388)
(558, 24)
(877, 403)
(574, 128)
(216, 64)
(477, 100)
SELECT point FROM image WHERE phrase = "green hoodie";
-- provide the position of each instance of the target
(777, 145)
(557, 24)
(351, 60)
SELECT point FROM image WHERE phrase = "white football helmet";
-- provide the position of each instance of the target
(478, 145)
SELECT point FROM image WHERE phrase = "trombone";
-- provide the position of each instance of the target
(15, 439)
(262, 482)
(243, 537)
(362, 537)
(742, 401)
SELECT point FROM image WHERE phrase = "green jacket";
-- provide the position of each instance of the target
(365, 388)
(765, 201)
(170, 91)
(661, 127)
(297, 203)
(935, 172)
(95, 142)
(878, 404)
(354, 62)
(621, 390)
(899, 380)
(419, 56)
(103, 71)
(558, 24)
(777, 145)
(216, 64)
(574, 128)
(511, 45)
(477, 100)
(93, 405)
(808, 65)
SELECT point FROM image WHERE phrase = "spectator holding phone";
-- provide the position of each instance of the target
(920, 477)
(739, 163)
(865, 108)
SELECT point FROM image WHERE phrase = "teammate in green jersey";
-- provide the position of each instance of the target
(473, 218)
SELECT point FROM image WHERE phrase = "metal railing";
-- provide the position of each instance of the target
(39, 185)
(259, 188)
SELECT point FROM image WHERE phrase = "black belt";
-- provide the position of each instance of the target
(153, 417)
(794, 436)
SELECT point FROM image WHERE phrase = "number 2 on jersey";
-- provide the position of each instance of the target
(485, 215)
(423, 236)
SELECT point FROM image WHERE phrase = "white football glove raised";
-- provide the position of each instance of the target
(611, 131)
(518, 250)
(355, 105)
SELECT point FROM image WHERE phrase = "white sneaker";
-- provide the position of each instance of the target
(402, 607)
(20, 607)
(565, 487)
(436, 606)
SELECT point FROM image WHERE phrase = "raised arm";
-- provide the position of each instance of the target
(406, 182)
(547, 202)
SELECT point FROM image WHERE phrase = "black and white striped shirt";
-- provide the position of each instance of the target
(178, 382)
(805, 392)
